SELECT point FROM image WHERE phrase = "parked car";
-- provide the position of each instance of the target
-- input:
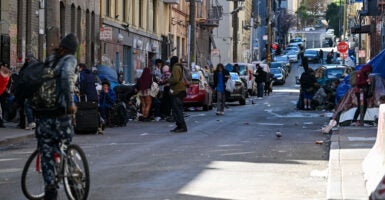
(239, 93)
(312, 55)
(297, 41)
(246, 74)
(285, 62)
(327, 74)
(293, 56)
(279, 65)
(199, 93)
(279, 76)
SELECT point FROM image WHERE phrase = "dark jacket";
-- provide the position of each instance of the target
(260, 76)
(225, 74)
(107, 100)
(86, 83)
(307, 81)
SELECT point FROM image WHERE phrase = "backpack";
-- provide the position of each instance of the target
(39, 84)
(28, 81)
(186, 76)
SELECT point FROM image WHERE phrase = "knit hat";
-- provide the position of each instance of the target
(69, 42)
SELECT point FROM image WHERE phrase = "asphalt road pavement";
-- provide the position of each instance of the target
(236, 156)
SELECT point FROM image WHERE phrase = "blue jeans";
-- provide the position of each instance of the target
(28, 112)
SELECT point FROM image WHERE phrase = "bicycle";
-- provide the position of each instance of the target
(71, 167)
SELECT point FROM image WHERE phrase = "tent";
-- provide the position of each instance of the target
(377, 63)
(107, 73)
(346, 108)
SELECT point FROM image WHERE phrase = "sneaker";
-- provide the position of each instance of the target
(158, 119)
(31, 126)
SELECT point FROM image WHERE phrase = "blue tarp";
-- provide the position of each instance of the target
(378, 64)
(105, 72)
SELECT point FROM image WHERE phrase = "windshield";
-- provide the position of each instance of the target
(334, 73)
(242, 70)
(311, 52)
(295, 40)
(234, 76)
(275, 65)
(281, 58)
(275, 71)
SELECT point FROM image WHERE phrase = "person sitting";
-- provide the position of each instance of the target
(106, 101)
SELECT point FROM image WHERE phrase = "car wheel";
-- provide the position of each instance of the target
(242, 101)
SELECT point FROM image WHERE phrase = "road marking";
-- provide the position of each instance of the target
(355, 139)
(9, 159)
(270, 124)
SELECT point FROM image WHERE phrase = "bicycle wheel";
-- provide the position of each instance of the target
(32, 182)
(76, 173)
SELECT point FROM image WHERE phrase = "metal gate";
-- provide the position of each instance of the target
(127, 64)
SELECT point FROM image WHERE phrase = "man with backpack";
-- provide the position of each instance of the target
(178, 93)
(56, 125)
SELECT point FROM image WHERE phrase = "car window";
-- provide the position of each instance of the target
(195, 75)
(243, 70)
(275, 71)
(295, 40)
(280, 58)
(313, 52)
(334, 73)
(275, 65)
(234, 76)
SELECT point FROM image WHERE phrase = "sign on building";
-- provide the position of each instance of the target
(106, 33)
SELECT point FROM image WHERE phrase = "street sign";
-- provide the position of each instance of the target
(342, 47)
(105, 33)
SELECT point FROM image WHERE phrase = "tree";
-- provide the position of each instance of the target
(286, 21)
(333, 17)
(302, 15)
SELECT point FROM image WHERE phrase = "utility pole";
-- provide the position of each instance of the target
(269, 36)
(235, 32)
(52, 25)
(100, 27)
(251, 38)
(192, 33)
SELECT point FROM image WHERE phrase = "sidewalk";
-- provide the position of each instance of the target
(349, 147)
(12, 134)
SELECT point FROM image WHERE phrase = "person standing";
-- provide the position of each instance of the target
(178, 92)
(144, 88)
(4, 79)
(54, 127)
(86, 83)
(260, 79)
(221, 75)
(165, 97)
(361, 86)
(308, 84)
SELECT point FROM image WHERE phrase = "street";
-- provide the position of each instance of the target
(235, 156)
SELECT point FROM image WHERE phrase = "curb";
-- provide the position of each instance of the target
(334, 187)
(12, 135)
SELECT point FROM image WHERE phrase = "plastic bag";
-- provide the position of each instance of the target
(230, 85)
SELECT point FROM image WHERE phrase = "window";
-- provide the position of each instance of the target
(140, 16)
(79, 25)
(62, 19)
(124, 10)
(117, 10)
(73, 18)
(154, 17)
(108, 5)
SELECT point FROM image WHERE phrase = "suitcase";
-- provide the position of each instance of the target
(87, 118)
(119, 115)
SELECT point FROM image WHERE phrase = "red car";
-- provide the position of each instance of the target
(199, 93)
